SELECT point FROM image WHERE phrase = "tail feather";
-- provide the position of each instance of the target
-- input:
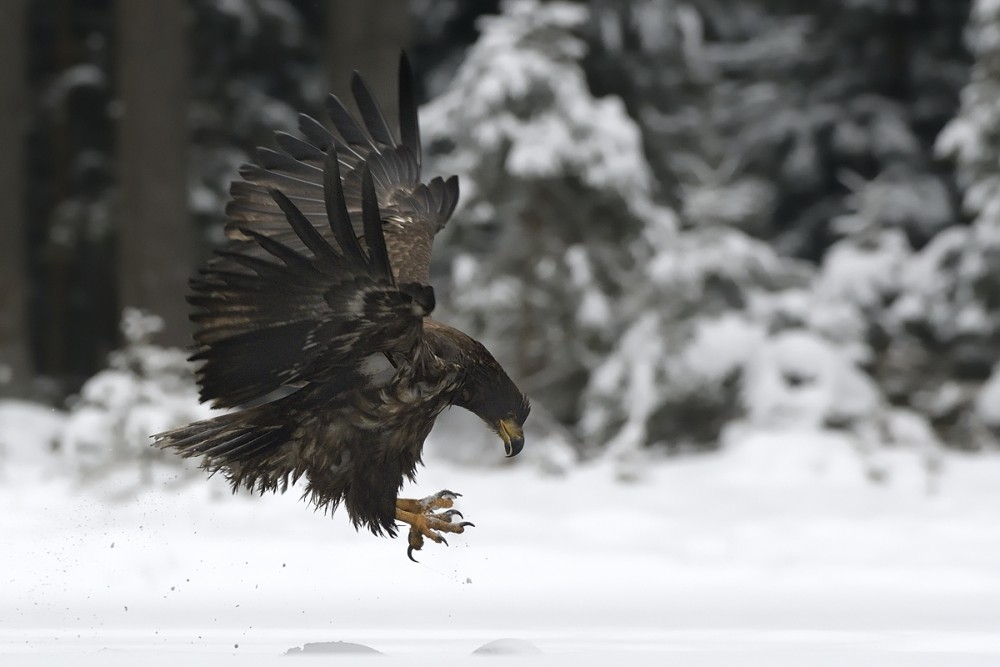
(250, 454)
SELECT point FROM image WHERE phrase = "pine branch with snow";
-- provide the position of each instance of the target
(145, 389)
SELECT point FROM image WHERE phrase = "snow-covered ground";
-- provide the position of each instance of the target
(779, 551)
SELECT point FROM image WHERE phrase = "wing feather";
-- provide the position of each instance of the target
(336, 210)
(450, 199)
(287, 314)
(315, 133)
(344, 123)
(299, 149)
(373, 226)
(308, 234)
(409, 126)
(412, 212)
(371, 114)
(271, 160)
(291, 258)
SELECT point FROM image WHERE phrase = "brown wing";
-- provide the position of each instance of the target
(412, 212)
(273, 315)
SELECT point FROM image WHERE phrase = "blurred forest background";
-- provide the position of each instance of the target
(676, 215)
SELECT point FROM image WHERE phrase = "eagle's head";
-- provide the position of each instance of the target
(490, 394)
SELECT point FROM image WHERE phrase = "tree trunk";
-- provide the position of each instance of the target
(15, 359)
(367, 36)
(157, 237)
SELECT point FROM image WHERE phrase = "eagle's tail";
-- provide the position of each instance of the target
(246, 448)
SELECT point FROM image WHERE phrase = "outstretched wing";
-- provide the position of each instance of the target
(273, 313)
(412, 211)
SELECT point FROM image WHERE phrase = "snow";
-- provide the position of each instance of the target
(521, 98)
(145, 389)
(719, 346)
(865, 272)
(719, 251)
(73, 79)
(28, 433)
(332, 647)
(507, 646)
(897, 198)
(798, 377)
(779, 550)
(739, 202)
(930, 276)
(988, 401)
(242, 11)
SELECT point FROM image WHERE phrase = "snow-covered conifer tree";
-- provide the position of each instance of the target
(555, 193)
(145, 389)
(949, 313)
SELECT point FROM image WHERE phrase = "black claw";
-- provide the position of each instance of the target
(446, 492)
(451, 513)
(409, 554)
(467, 524)
(443, 541)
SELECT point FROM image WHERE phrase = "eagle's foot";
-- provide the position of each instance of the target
(439, 501)
(426, 523)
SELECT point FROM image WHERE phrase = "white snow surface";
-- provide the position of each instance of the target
(776, 551)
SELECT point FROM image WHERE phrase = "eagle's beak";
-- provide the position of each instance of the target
(513, 437)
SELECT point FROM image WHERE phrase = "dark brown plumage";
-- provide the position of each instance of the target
(315, 324)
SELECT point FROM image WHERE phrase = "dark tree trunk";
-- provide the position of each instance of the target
(157, 239)
(367, 36)
(15, 360)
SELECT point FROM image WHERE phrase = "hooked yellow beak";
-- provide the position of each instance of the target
(512, 435)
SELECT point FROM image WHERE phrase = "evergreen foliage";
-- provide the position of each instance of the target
(678, 217)
(555, 194)
(145, 389)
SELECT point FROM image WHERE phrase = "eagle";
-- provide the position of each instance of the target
(314, 326)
